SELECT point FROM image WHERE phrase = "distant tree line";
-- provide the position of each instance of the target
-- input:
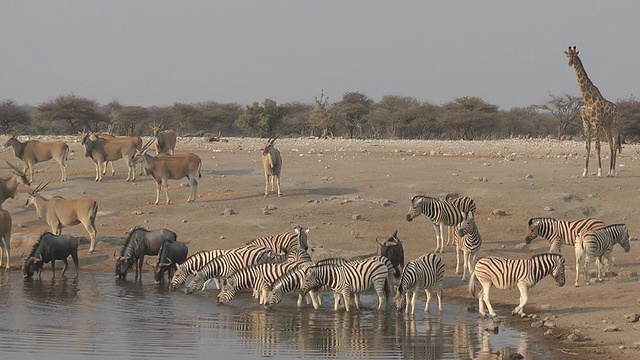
(353, 116)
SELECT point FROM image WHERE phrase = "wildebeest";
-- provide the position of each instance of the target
(5, 237)
(102, 150)
(392, 249)
(172, 254)
(32, 152)
(165, 140)
(175, 167)
(9, 185)
(60, 212)
(50, 248)
(272, 164)
(140, 242)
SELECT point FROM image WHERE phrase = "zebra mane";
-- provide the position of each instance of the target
(536, 219)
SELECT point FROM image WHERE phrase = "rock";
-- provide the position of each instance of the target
(611, 328)
(529, 176)
(631, 318)
(222, 237)
(499, 212)
(571, 197)
(521, 246)
(550, 324)
(184, 221)
(137, 212)
(514, 356)
(548, 208)
(355, 234)
(573, 337)
(356, 217)
(588, 211)
(549, 332)
(228, 212)
(536, 324)
(270, 207)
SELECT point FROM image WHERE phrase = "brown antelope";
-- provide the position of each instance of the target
(9, 185)
(272, 164)
(60, 212)
(102, 150)
(165, 141)
(164, 167)
(32, 152)
(5, 234)
(136, 139)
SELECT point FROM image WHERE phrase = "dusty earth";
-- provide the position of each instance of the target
(349, 192)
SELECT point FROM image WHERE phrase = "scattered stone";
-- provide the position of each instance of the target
(355, 234)
(549, 332)
(514, 356)
(185, 184)
(137, 212)
(588, 211)
(184, 221)
(636, 327)
(611, 328)
(496, 320)
(529, 176)
(550, 324)
(571, 197)
(548, 208)
(222, 237)
(536, 324)
(270, 207)
(573, 337)
(22, 225)
(228, 212)
(635, 345)
(499, 212)
(631, 318)
(356, 217)
(521, 246)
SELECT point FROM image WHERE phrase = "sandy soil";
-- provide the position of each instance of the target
(350, 192)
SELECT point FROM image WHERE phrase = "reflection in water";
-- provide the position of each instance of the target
(97, 316)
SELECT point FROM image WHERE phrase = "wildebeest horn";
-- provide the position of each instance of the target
(146, 262)
(379, 243)
(165, 264)
(24, 257)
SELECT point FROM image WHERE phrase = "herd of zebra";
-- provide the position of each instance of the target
(273, 266)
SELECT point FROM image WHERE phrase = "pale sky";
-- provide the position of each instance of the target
(147, 53)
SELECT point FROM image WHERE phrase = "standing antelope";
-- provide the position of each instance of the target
(32, 152)
(165, 141)
(60, 212)
(272, 164)
(136, 139)
(5, 235)
(102, 150)
(9, 185)
(175, 167)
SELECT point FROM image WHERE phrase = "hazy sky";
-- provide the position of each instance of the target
(148, 53)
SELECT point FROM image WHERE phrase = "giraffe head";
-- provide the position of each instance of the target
(572, 54)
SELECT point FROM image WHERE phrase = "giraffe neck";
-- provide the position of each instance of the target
(588, 90)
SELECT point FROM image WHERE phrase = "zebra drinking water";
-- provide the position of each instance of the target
(559, 232)
(194, 263)
(442, 213)
(425, 272)
(283, 243)
(599, 244)
(508, 273)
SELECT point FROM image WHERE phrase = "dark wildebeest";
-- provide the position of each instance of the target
(392, 249)
(50, 248)
(140, 242)
(172, 254)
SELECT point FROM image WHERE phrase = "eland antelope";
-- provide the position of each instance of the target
(9, 185)
(165, 140)
(136, 139)
(60, 212)
(272, 164)
(164, 167)
(32, 152)
(102, 150)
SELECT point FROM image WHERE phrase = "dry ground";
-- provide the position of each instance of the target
(327, 183)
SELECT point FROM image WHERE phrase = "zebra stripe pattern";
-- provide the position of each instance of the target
(283, 243)
(598, 245)
(290, 281)
(442, 213)
(225, 265)
(351, 278)
(506, 273)
(268, 274)
(468, 242)
(465, 204)
(559, 232)
(424, 273)
(298, 254)
(194, 263)
(332, 261)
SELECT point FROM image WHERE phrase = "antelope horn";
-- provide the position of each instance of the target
(40, 188)
(147, 145)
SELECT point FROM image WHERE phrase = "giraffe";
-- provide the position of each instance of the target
(596, 112)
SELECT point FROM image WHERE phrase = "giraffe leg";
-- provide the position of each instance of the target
(596, 139)
(587, 137)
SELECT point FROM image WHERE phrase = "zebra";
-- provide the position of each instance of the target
(599, 244)
(559, 232)
(506, 273)
(290, 281)
(194, 263)
(332, 261)
(351, 278)
(283, 243)
(441, 213)
(298, 254)
(468, 242)
(225, 265)
(425, 272)
(465, 204)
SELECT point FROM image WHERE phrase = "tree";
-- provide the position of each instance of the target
(469, 117)
(565, 109)
(629, 121)
(12, 115)
(353, 109)
(72, 113)
(322, 116)
(261, 120)
(130, 120)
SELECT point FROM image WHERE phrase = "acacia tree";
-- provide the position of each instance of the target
(72, 113)
(353, 109)
(12, 115)
(629, 121)
(261, 120)
(322, 116)
(565, 109)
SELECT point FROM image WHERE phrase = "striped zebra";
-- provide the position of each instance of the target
(290, 281)
(468, 242)
(508, 273)
(351, 279)
(225, 265)
(298, 254)
(559, 232)
(464, 204)
(598, 245)
(332, 261)
(194, 263)
(441, 213)
(425, 272)
(283, 243)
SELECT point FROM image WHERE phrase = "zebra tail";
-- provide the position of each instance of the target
(472, 284)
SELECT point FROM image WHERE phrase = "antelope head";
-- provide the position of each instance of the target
(21, 177)
(33, 193)
(269, 145)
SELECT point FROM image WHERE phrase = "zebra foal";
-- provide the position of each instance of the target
(424, 273)
(506, 273)
(599, 244)
(442, 213)
(559, 232)
(468, 242)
